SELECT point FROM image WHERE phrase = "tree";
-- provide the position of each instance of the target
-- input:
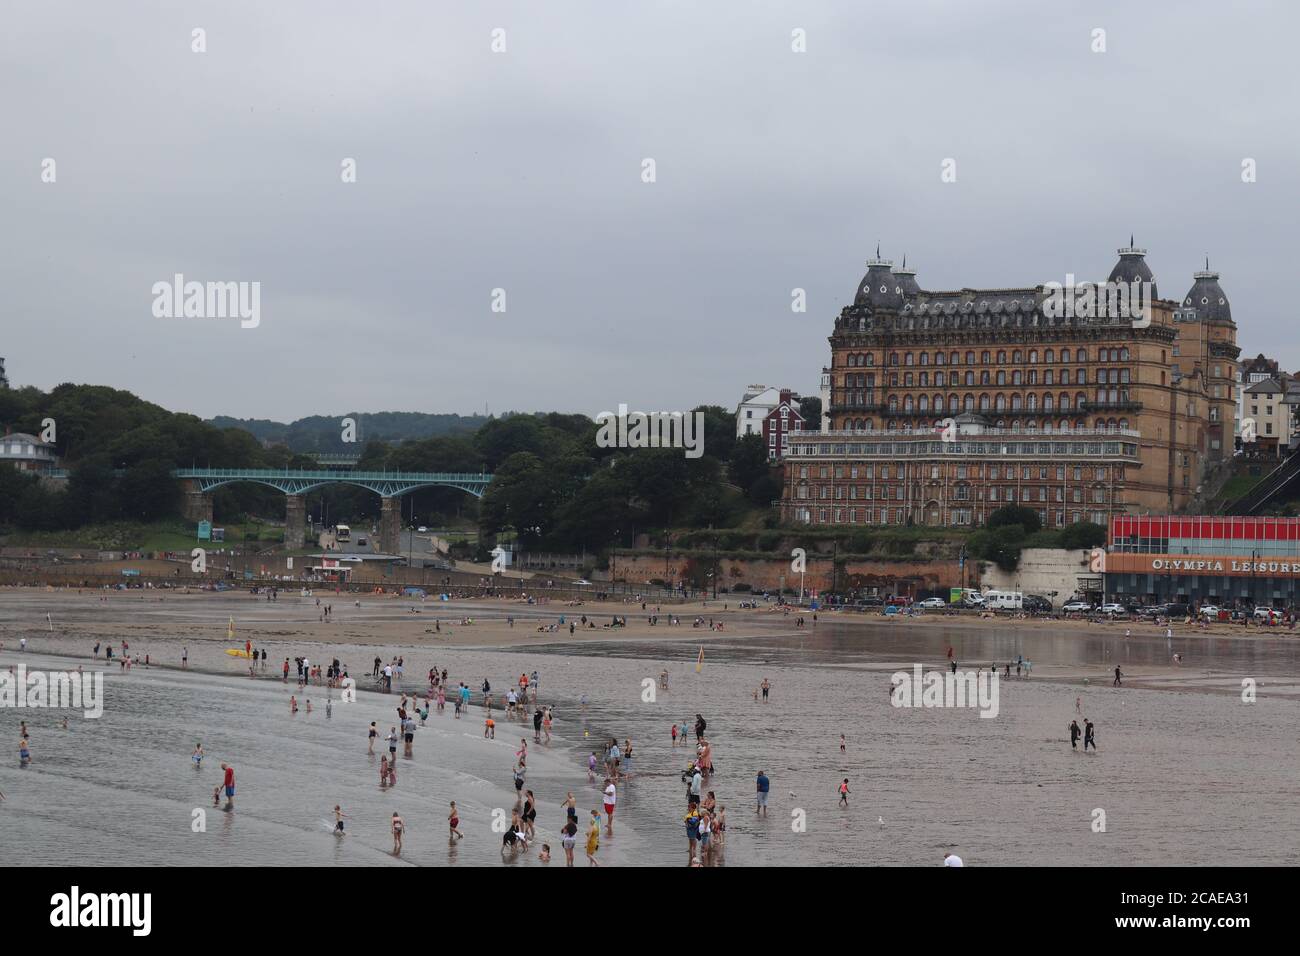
(1083, 534)
(1026, 518)
(748, 461)
(810, 407)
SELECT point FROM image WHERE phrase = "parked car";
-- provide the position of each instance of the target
(1153, 610)
(422, 529)
(1114, 609)
(872, 601)
(933, 604)
(1210, 610)
(1077, 607)
(1037, 604)
(1265, 612)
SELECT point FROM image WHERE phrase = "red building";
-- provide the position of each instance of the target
(779, 424)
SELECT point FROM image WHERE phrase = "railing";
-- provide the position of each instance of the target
(985, 434)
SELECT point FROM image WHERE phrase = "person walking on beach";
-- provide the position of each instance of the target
(593, 839)
(1118, 674)
(1089, 736)
(399, 827)
(374, 732)
(229, 783)
(185, 658)
(197, 756)
(844, 793)
(765, 686)
(392, 744)
(610, 799)
(339, 817)
(569, 839)
(764, 785)
(1074, 735)
(453, 824)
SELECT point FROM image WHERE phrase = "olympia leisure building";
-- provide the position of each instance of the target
(1223, 561)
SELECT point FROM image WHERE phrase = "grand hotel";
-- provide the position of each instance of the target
(940, 407)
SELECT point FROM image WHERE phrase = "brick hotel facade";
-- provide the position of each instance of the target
(1078, 418)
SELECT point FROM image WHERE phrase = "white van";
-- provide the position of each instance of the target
(1004, 600)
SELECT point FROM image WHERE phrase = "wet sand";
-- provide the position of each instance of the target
(1187, 772)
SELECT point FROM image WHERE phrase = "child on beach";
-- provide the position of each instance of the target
(198, 756)
(453, 822)
(593, 839)
(339, 817)
(844, 793)
(674, 735)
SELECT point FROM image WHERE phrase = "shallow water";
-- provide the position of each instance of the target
(1186, 774)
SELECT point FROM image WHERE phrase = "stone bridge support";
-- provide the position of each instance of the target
(198, 505)
(295, 522)
(390, 526)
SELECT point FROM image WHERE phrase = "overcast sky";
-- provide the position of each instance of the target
(522, 170)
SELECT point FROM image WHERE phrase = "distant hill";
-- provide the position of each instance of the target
(321, 433)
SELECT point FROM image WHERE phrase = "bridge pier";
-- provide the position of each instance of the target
(198, 505)
(390, 526)
(295, 522)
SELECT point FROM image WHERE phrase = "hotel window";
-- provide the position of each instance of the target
(1042, 494)
(803, 471)
(984, 358)
(961, 471)
(1060, 494)
(822, 516)
(1024, 473)
(907, 358)
(993, 471)
(993, 493)
(970, 358)
(1060, 518)
(1033, 356)
(1077, 496)
(884, 471)
(925, 358)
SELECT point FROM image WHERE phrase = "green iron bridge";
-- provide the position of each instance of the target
(294, 483)
(386, 484)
